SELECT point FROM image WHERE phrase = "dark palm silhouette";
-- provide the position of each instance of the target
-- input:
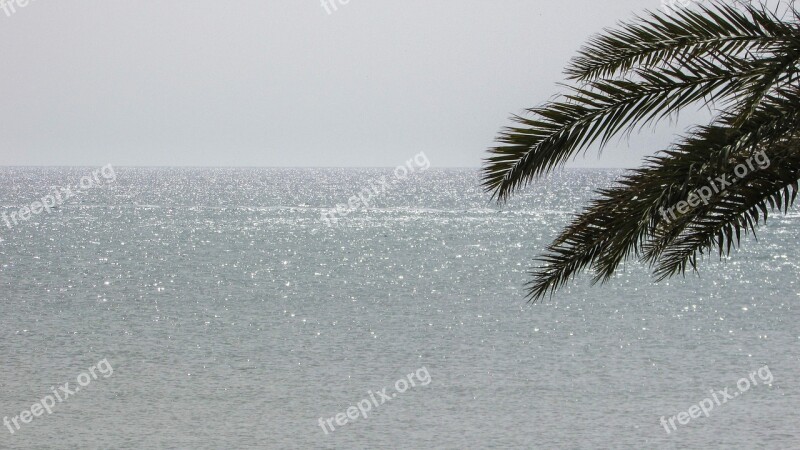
(743, 62)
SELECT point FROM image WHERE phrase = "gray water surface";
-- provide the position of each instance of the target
(234, 317)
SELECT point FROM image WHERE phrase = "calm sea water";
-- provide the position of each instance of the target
(233, 317)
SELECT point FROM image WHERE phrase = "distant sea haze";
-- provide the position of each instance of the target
(235, 317)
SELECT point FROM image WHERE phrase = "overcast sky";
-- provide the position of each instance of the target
(284, 83)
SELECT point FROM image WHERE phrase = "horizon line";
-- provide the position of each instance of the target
(272, 167)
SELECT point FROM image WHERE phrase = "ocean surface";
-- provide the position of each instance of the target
(234, 317)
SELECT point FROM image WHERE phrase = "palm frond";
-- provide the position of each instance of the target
(655, 39)
(744, 63)
(626, 216)
(737, 211)
(605, 108)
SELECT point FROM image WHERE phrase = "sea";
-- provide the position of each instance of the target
(202, 308)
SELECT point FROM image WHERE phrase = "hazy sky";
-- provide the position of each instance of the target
(284, 83)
